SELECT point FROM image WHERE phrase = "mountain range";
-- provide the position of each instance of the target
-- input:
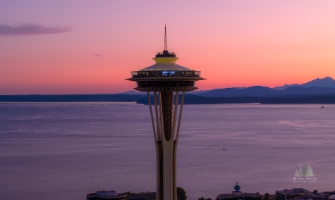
(315, 87)
(258, 91)
(323, 82)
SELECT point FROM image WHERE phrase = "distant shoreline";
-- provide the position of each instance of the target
(189, 99)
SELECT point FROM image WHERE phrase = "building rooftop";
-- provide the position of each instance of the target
(142, 196)
(239, 194)
(294, 191)
(107, 195)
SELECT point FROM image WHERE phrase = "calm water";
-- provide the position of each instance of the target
(66, 150)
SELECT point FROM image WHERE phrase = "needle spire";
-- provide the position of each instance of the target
(165, 39)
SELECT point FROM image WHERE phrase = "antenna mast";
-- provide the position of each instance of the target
(165, 39)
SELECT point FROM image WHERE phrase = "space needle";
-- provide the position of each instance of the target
(165, 83)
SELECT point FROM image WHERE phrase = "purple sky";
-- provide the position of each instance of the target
(91, 46)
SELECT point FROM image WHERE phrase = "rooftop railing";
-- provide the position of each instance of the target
(165, 54)
(165, 73)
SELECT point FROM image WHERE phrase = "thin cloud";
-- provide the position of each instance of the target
(99, 55)
(31, 29)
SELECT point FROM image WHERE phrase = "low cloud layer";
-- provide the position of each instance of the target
(31, 29)
(99, 55)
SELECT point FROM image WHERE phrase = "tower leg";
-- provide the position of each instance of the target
(159, 188)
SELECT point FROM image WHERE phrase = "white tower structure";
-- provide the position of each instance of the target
(166, 82)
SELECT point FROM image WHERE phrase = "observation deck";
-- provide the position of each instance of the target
(168, 80)
(165, 75)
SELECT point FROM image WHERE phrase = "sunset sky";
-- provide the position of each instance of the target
(90, 47)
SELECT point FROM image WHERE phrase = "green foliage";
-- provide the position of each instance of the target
(129, 193)
(315, 191)
(266, 196)
(181, 194)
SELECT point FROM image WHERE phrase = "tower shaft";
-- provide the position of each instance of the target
(168, 147)
(166, 139)
(167, 110)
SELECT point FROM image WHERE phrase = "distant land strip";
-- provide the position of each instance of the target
(189, 99)
(72, 98)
